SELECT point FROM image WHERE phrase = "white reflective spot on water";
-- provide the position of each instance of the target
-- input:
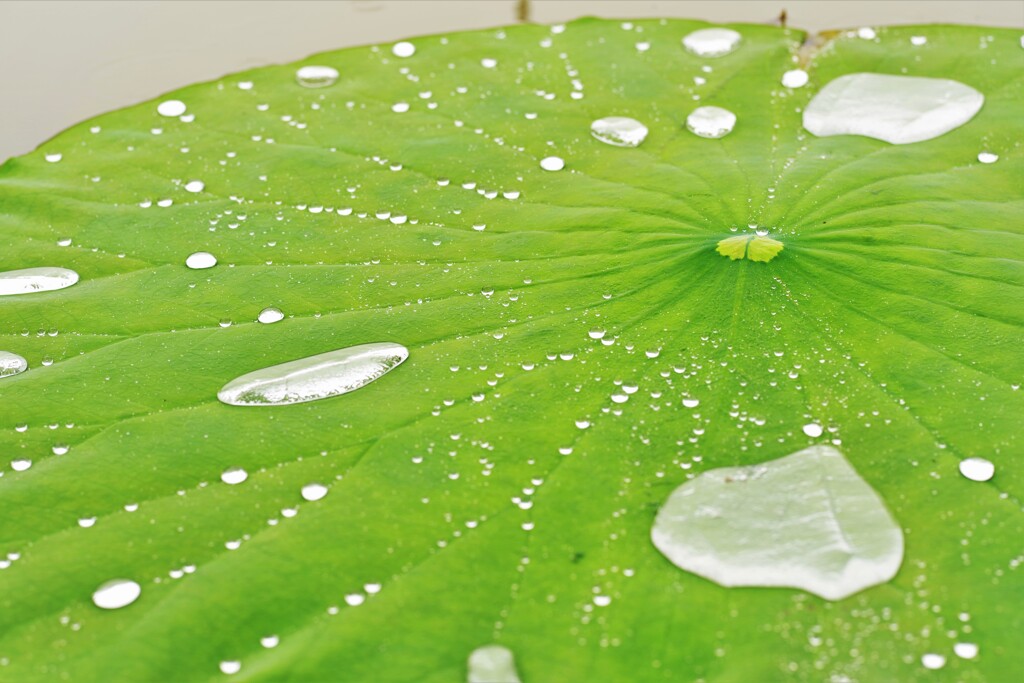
(492, 664)
(11, 364)
(316, 76)
(813, 430)
(116, 594)
(54, 158)
(269, 641)
(313, 492)
(400, 107)
(711, 122)
(201, 260)
(918, 41)
(552, 163)
(977, 469)
(171, 108)
(933, 661)
(230, 666)
(988, 157)
(965, 650)
(488, 63)
(712, 42)
(29, 280)
(195, 186)
(895, 109)
(21, 464)
(270, 315)
(795, 78)
(403, 49)
(805, 521)
(620, 131)
(235, 475)
(316, 377)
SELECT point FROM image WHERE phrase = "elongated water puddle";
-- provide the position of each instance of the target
(29, 280)
(805, 521)
(315, 377)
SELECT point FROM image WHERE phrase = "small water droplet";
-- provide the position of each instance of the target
(711, 122)
(488, 63)
(11, 364)
(918, 41)
(201, 260)
(230, 666)
(314, 492)
(316, 76)
(116, 593)
(269, 641)
(400, 107)
(21, 464)
(54, 157)
(235, 475)
(795, 78)
(813, 430)
(195, 186)
(977, 469)
(712, 42)
(866, 33)
(270, 315)
(965, 650)
(933, 661)
(552, 163)
(403, 49)
(171, 108)
(492, 664)
(988, 157)
(29, 280)
(620, 131)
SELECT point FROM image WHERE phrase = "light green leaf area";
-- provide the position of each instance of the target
(497, 482)
(754, 247)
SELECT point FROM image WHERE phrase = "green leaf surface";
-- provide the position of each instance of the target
(491, 485)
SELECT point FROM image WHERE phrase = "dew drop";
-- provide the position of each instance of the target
(620, 131)
(918, 41)
(270, 315)
(269, 641)
(195, 186)
(313, 492)
(11, 364)
(315, 377)
(316, 76)
(795, 78)
(965, 650)
(933, 661)
(29, 280)
(230, 666)
(400, 107)
(895, 109)
(806, 521)
(552, 163)
(235, 475)
(813, 430)
(712, 42)
(54, 158)
(171, 108)
(977, 469)
(21, 464)
(488, 63)
(116, 594)
(711, 122)
(988, 157)
(403, 49)
(492, 664)
(201, 260)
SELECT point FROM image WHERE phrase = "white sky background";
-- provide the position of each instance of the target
(65, 61)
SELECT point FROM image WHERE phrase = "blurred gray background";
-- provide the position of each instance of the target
(65, 61)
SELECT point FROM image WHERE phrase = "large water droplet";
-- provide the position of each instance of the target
(201, 260)
(796, 78)
(805, 521)
(977, 469)
(965, 650)
(933, 661)
(316, 76)
(620, 131)
(116, 594)
(171, 108)
(230, 666)
(30, 280)
(313, 492)
(403, 49)
(712, 42)
(11, 364)
(552, 163)
(316, 377)
(896, 109)
(711, 122)
(492, 664)
(235, 475)
(270, 315)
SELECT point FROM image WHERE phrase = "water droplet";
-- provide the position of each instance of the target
(314, 492)
(488, 63)
(988, 157)
(933, 661)
(866, 33)
(171, 108)
(11, 364)
(400, 107)
(235, 475)
(403, 49)
(552, 163)
(355, 599)
(918, 41)
(492, 664)
(965, 650)
(795, 78)
(21, 464)
(269, 641)
(977, 469)
(712, 42)
(54, 157)
(813, 430)
(230, 666)
(316, 76)
(316, 377)
(805, 521)
(201, 260)
(620, 131)
(895, 109)
(711, 122)
(29, 280)
(116, 594)
(270, 315)
(195, 186)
